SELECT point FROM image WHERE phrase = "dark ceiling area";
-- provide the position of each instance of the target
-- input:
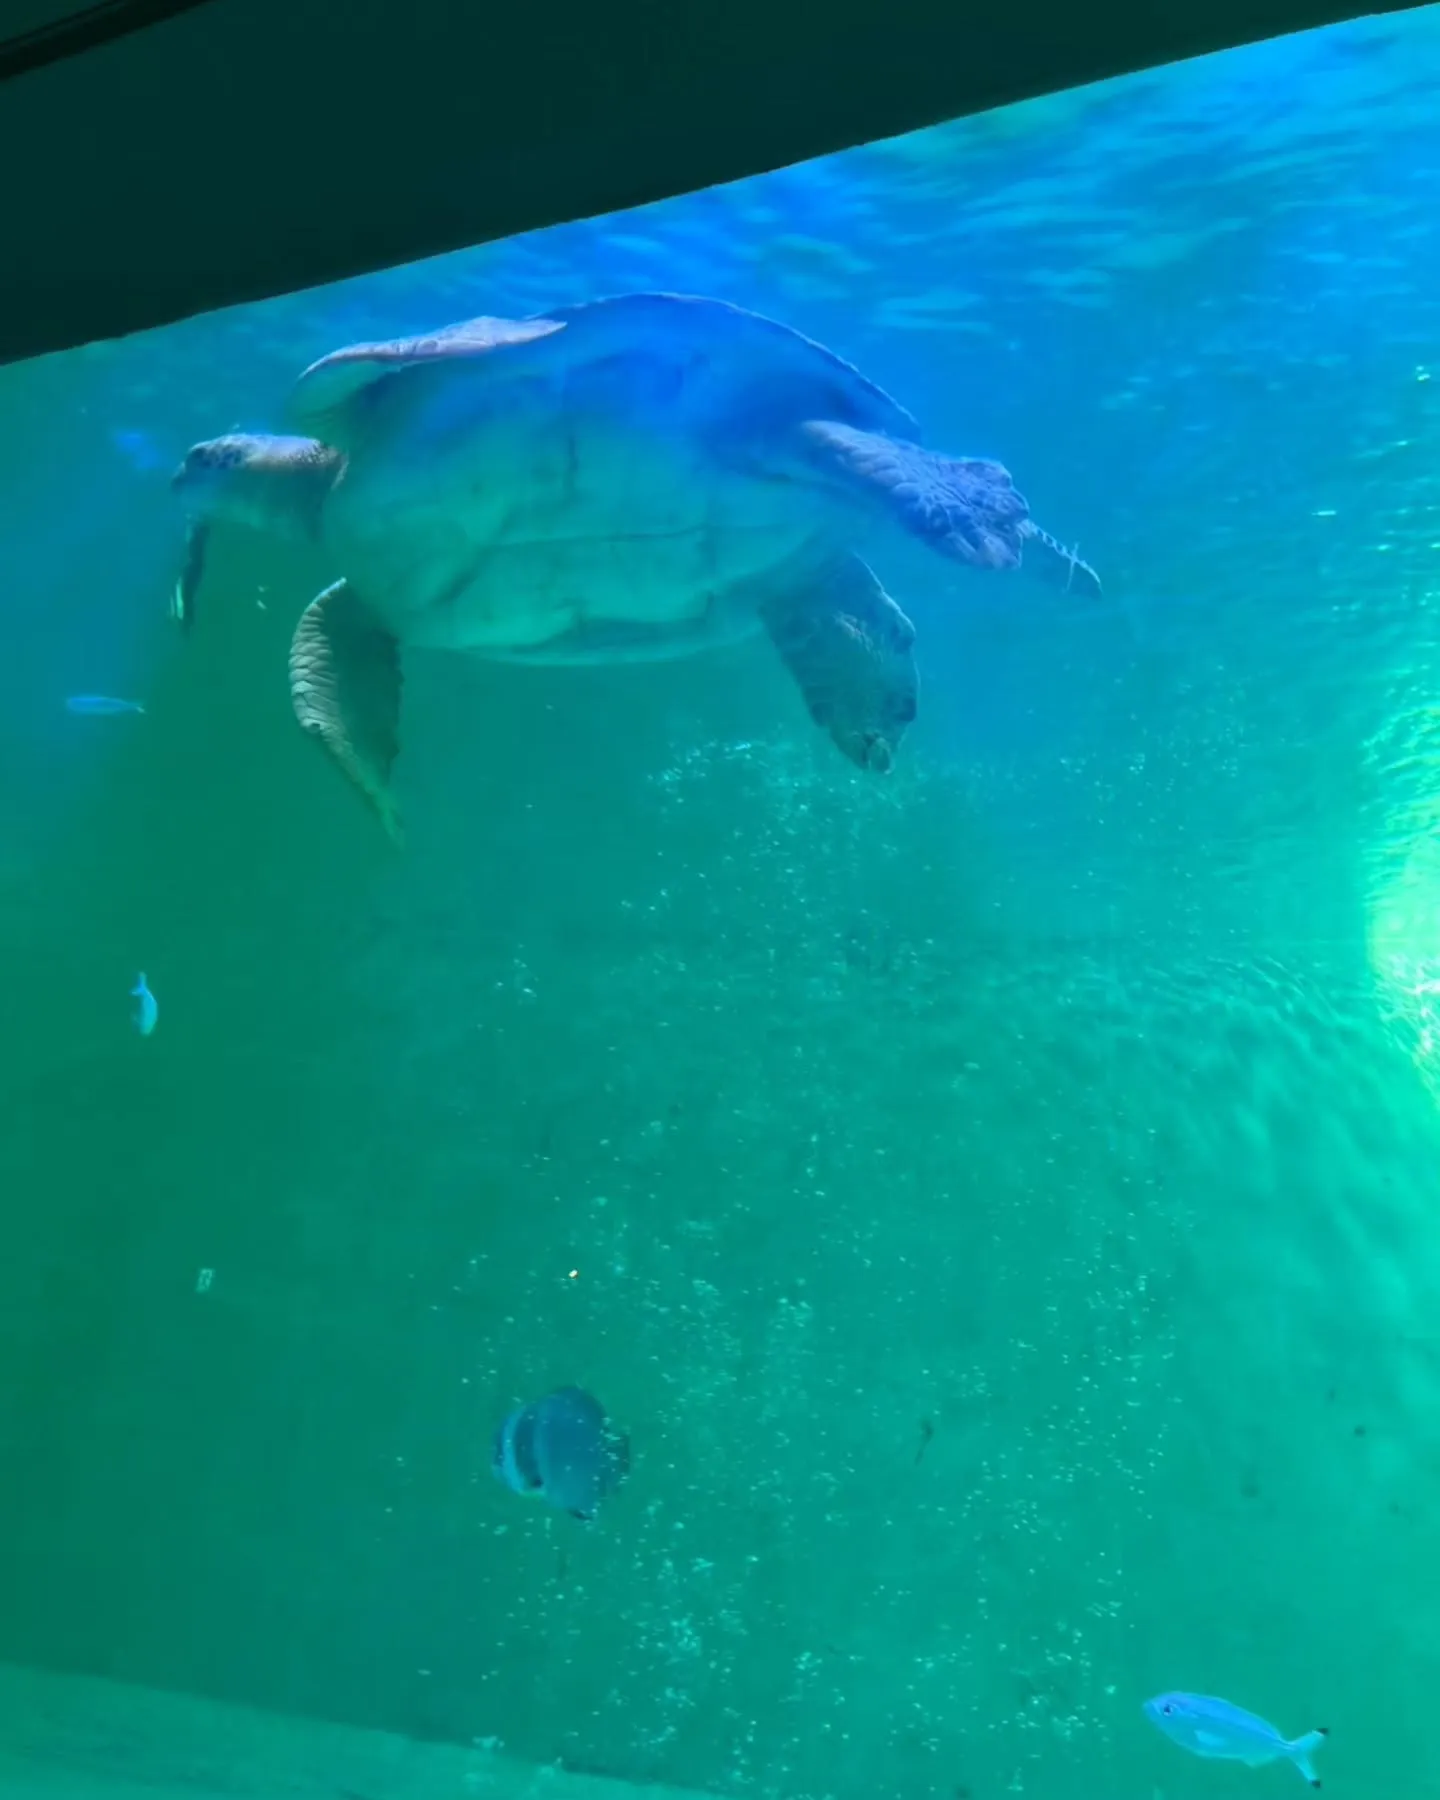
(164, 157)
(36, 32)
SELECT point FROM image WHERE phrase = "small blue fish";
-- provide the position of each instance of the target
(100, 706)
(148, 1011)
(1215, 1728)
(562, 1449)
(138, 448)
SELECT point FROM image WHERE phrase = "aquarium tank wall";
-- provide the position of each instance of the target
(966, 1237)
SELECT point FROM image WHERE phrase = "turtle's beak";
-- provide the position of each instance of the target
(187, 470)
(187, 583)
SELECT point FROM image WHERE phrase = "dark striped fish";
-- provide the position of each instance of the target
(562, 1449)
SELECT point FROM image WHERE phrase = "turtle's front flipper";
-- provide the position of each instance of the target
(848, 645)
(345, 685)
(964, 507)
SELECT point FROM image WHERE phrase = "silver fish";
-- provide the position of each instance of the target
(1214, 1728)
(148, 1011)
(562, 1449)
(100, 706)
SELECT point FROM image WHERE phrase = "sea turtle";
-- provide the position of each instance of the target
(634, 478)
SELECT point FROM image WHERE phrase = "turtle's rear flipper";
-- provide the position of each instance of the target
(964, 507)
(848, 645)
(345, 685)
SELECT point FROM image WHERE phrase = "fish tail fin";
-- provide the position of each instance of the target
(139, 987)
(1303, 1749)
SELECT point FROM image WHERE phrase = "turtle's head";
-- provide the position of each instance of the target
(271, 484)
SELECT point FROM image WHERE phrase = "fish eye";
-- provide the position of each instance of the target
(1167, 1709)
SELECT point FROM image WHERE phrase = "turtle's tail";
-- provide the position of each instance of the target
(1048, 558)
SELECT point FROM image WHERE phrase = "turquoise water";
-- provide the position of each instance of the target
(1000, 1201)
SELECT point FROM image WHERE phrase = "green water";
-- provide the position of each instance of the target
(1002, 1202)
